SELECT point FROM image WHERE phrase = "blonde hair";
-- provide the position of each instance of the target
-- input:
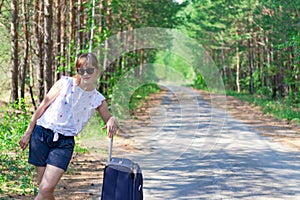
(85, 59)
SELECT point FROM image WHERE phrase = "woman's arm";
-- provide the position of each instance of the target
(110, 122)
(49, 98)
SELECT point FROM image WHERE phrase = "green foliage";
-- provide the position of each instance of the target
(175, 62)
(140, 94)
(4, 58)
(264, 35)
(161, 13)
(280, 109)
(16, 175)
(200, 83)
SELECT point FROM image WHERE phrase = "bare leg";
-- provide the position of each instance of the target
(40, 173)
(50, 178)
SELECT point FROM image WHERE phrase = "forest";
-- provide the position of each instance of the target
(254, 44)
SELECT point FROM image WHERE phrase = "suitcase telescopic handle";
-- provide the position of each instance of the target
(110, 148)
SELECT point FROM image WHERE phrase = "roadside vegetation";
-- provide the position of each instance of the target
(287, 108)
(141, 94)
(254, 45)
(284, 109)
(17, 176)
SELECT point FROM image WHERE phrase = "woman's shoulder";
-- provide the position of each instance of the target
(98, 98)
(99, 95)
(67, 78)
(64, 82)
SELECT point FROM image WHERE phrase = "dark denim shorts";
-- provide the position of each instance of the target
(43, 150)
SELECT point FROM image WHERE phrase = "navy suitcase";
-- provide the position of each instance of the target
(123, 179)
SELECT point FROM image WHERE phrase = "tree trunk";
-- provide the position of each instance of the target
(1, 5)
(26, 48)
(263, 71)
(251, 66)
(258, 63)
(141, 62)
(38, 32)
(71, 33)
(274, 88)
(268, 61)
(80, 44)
(108, 22)
(48, 44)
(281, 76)
(31, 86)
(14, 50)
(290, 67)
(92, 28)
(58, 53)
(64, 39)
(237, 80)
(276, 81)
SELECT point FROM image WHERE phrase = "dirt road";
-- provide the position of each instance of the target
(191, 150)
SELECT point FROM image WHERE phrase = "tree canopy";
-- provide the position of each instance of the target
(255, 44)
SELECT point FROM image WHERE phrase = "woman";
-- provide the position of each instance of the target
(63, 113)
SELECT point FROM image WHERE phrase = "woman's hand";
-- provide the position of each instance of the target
(24, 141)
(111, 126)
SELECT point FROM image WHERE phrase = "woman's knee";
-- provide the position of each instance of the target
(46, 189)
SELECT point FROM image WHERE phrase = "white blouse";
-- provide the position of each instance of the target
(71, 110)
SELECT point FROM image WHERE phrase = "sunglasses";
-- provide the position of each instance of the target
(82, 71)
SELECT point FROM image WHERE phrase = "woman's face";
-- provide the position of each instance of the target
(88, 70)
(88, 74)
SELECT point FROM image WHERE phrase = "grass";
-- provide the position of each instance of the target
(16, 175)
(281, 109)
